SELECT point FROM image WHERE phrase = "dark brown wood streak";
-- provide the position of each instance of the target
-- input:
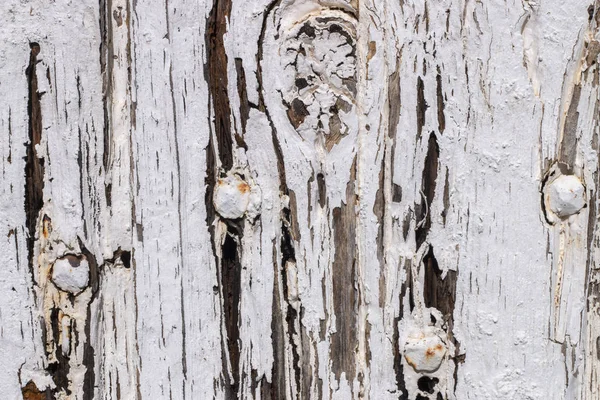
(34, 164)
(221, 147)
(88, 349)
(439, 292)
(216, 76)
(344, 341)
(428, 186)
(230, 280)
(106, 68)
(34, 202)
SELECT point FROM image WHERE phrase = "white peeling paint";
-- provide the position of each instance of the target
(426, 129)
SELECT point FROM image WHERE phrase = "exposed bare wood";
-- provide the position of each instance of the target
(299, 199)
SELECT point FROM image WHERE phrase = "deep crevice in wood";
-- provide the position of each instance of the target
(222, 147)
(421, 106)
(88, 349)
(216, 76)
(106, 68)
(231, 270)
(59, 370)
(430, 174)
(34, 164)
(439, 292)
(440, 102)
(288, 255)
(244, 104)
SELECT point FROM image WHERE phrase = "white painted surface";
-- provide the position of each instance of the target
(508, 75)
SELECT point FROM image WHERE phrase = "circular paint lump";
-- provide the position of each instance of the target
(565, 196)
(231, 197)
(425, 353)
(71, 273)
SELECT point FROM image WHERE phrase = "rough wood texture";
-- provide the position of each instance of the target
(299, 199)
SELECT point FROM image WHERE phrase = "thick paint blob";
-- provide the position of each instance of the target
(71, 274)
(425, 352)
(231, 197)
(565, 196)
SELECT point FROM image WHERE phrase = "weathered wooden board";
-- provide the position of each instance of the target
(299, 199)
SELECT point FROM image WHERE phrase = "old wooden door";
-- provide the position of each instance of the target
(299, 199)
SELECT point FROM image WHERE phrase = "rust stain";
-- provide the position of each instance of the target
(243, 187)
(31, 392)
(46, 226)
(372, 50)
(431, 351)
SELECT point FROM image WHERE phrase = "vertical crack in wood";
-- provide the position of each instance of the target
(220, 157)
(216, 76)
(394, 101)
(398, 365)
(439, 287)
(179, 226)
(59, 369)
(429, 181)
(322, 189)
(243, 96)
(440, 102)
(292, 318)
(88, 350)
(439, 292)
(421, 106)
(228, 277)
(231, 288)
(34, 164)
(446, 198)
(106, 68)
